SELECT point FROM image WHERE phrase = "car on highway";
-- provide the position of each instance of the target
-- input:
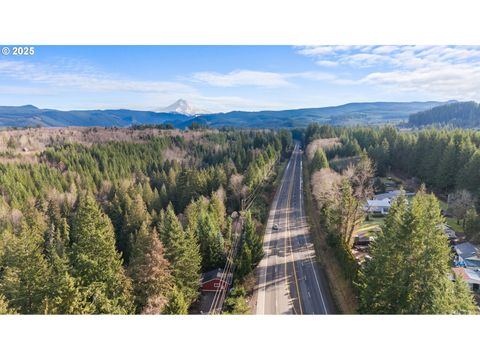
(275, 227)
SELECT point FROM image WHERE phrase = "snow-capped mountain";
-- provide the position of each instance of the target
(182, 106)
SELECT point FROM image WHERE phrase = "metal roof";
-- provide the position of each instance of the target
(214, 274)
(466, 250)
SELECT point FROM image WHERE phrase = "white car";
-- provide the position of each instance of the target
(275, 227)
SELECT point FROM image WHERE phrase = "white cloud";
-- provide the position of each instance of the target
(83, 78)
(242, 78)
(458, 82)
(385, 49)
(392, 55)
(327, 63)
(447, 72)
(258, 78)
(23, 90)
(323, 50)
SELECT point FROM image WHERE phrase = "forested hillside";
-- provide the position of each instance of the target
(373, 113)
(28, 115)
(124, 226)
(456, 114)
(443, 159)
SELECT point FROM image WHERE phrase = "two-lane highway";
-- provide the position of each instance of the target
(288, 279)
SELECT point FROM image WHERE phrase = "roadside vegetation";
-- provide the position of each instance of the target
(251, 246)
(340, 285)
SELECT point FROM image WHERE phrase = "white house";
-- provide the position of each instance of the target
(378, 206)
(381, 203)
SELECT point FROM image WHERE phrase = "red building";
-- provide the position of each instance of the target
(215, 280)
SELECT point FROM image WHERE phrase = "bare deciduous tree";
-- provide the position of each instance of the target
(238, 188)
(324, 144)
(459, 203)
(360, 178)
(325, 186)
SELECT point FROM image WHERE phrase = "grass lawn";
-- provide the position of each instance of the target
(371, 225)
(452, 222)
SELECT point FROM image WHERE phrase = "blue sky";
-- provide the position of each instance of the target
(224, 78)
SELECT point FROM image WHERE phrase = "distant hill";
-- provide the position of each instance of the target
(457, 114)
(29, 115)
(374, 113)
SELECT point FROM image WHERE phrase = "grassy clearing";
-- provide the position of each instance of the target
(340, 287)
(453, 224)
(451, 221)
(370, 226)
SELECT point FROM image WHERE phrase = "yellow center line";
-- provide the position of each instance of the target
(287, 285)
(289, 198)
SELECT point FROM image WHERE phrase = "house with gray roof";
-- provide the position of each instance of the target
(468, 255)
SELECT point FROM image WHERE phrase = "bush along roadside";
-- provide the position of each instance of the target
(329, 256)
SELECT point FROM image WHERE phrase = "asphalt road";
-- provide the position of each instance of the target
(288, 279)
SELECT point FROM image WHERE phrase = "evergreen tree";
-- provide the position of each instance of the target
(378, 293)
(96, 264)
(183, 252)
(4, 309)
(409, 270)
(236, 304)
(135, 214)
(252, 239)
(176, 304)
(171, 231)
(243, 262)
(217, 208)
(64, 296)
(381, 155)
(472, 226)
(148, 268)
(163, 196)
(211, 242)
(25, 279)
(227, 234)
(319, 160)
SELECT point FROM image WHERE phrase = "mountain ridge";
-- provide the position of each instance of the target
(459, 114)
(368, 113)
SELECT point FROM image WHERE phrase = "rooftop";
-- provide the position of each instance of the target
(378, 203)
(468, 275)
(391, 195)
(214, 274)
(466, 250)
